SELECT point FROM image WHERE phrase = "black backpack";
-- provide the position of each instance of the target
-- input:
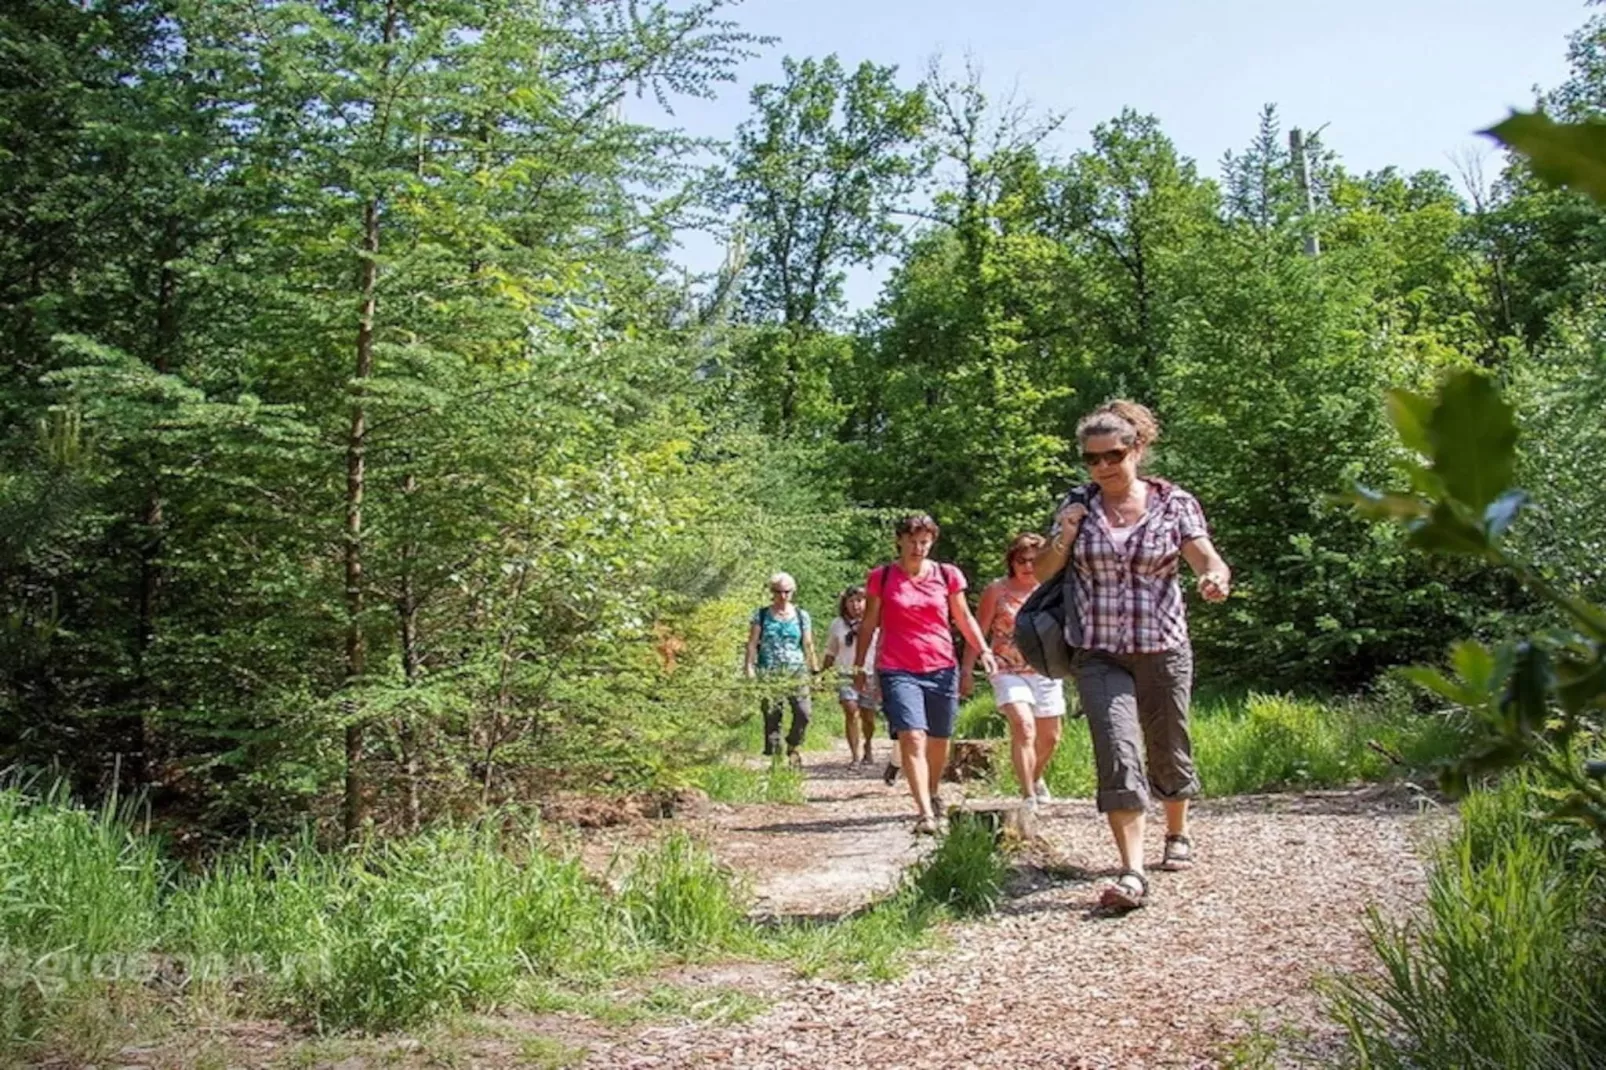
(1047, 621)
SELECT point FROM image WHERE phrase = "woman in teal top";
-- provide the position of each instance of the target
(780, 642)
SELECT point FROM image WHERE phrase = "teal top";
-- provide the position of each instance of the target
(780, 641)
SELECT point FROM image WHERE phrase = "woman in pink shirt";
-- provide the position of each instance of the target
(914, 602)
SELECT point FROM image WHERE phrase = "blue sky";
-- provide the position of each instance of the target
(1402, 82)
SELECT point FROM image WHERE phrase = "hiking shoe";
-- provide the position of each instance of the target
(889, 774)
(939, 809)
(1178, 853)
(925, 825)
(1040, 792)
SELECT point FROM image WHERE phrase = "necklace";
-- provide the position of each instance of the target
(1124, 514)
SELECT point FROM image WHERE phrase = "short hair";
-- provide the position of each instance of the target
(783, 579)
(914, 522)
(1134, 424)
(1019, 545)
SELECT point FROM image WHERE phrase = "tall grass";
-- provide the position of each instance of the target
(375, 937)
(1507, 965)
(79, 898)
(677, 898)
(966, 872)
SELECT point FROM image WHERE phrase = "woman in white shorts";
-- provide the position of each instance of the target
(1034, 705)
(858, 707)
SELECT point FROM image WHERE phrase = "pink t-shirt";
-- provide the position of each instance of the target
(915, 633)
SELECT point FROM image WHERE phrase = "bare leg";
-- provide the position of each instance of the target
(1127, 825)
(936, 762)
(1048, 738)
(850, 713)
(867, 731)
(1022, 744)
(912, 745)
(1176, 817)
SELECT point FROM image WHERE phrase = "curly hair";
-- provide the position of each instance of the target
(1133, 423)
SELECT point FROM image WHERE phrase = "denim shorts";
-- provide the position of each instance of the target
(921, 701)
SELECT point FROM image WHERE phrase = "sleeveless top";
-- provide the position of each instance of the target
(1001, 633)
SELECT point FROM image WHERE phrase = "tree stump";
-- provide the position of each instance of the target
(969, 759)
(1009, 820)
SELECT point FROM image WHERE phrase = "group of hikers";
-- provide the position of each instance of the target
(1119, 540)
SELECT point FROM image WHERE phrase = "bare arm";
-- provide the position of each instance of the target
(833, 646)
(808, 650)
(1052, 557)
(984, 620)
(752, 649)
(867, 630)
(959, 609)
(1215, 578)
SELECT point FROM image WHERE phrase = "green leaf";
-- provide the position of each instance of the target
(1446, 531)
(1528, 688)
(1474, 436)
(1410, 413)
(1563, 154)
(1475, 663)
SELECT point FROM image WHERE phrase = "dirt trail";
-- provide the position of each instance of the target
(1227, 950)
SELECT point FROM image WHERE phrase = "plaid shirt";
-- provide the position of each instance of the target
(1128, 599)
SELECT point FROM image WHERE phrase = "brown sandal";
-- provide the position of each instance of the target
(1127, 892)
(1178, 853)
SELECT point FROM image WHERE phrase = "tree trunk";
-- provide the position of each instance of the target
(412, 667)
(133, 742)
(356, 471)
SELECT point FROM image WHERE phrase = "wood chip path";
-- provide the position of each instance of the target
(1223, 953)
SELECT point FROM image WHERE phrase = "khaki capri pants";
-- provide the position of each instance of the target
(1137, 712)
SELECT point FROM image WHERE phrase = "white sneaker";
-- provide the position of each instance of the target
(1040, 792)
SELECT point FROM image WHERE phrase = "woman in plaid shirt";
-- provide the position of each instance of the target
(1133, 665)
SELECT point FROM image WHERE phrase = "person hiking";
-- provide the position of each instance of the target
(858, 707)
(1133, 664)
(1032, 704)
(915, 602)
(780, 643)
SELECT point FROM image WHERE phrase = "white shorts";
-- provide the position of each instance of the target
(1046, 697)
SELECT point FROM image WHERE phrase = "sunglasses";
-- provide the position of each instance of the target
(782, 590)
(1105, 457)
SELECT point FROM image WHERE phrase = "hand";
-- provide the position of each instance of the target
(967, 683)
(860, 681)
(747, 671)
(1070, 518)
(989, 662)
(1215, 586)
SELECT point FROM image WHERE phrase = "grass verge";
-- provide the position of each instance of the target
(1507, 964)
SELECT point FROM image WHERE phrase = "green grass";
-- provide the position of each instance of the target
(733, 782)
(966, 872)
(1262, 743)
(1507, 965)
(384, 936)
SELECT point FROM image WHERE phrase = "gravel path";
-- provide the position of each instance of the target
(1227, 949)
